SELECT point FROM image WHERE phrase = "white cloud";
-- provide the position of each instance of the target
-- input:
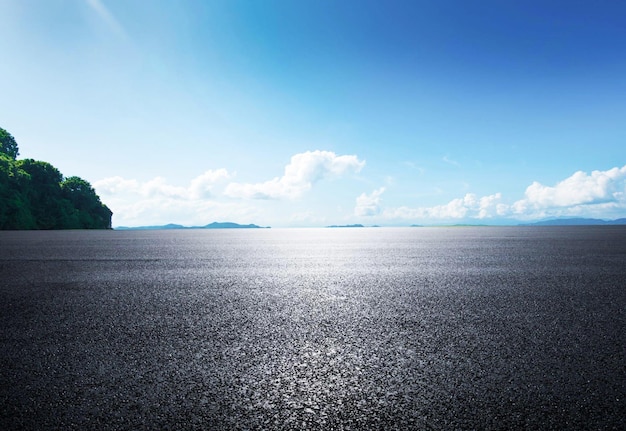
(159, 187)
(199, 188)
(157, 202)
(300, 174)
(469, 206)
(602, 189)
(147, 212)
(368, 205)
(600, 194)
(113, 185)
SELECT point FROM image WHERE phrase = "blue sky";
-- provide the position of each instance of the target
(309, 113)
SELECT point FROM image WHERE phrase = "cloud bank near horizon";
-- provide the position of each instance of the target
(468, 207)
(157, 201)
(597, 194)
(600, 190)
(214, 196)
(304, 170)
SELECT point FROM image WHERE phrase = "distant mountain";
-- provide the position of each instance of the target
(577, 222)
(214, 225)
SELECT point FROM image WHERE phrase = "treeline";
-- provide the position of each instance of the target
(35, 195)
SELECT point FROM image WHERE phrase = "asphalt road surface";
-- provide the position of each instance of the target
(337, 329)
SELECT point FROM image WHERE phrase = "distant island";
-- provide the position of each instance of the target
(550, 222)
(577, 222)
(214, 225)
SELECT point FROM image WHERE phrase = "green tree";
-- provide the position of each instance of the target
(14, 208)
(8, 145)
(43, 193)
(90, 211)
(34, 195)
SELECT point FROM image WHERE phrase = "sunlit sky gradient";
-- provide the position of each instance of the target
(309, 113)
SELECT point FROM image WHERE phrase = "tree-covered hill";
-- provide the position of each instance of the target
(35, 195)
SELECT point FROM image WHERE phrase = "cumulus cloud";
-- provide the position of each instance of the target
(157, 201)
(113, 185)
(202, 185)
(368, 205)
(469, 206)
(599, 194)
(581, 190)
(300, 174)
(199, 188)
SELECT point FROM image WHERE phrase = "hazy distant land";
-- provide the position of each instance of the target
(577, 222)
(549, 222)
(214, 225)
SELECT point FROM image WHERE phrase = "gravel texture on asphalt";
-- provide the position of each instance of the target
(334, 329)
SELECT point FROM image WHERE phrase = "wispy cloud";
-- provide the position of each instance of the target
(106, 15)
(450, 161)
(300, 174)
(414, 167)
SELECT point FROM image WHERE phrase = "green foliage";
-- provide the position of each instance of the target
(8, 145)
(89, 211)
(14, 209)
(34, 195)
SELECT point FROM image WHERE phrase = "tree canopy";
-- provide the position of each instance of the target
(8, 145)
(35, 195)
